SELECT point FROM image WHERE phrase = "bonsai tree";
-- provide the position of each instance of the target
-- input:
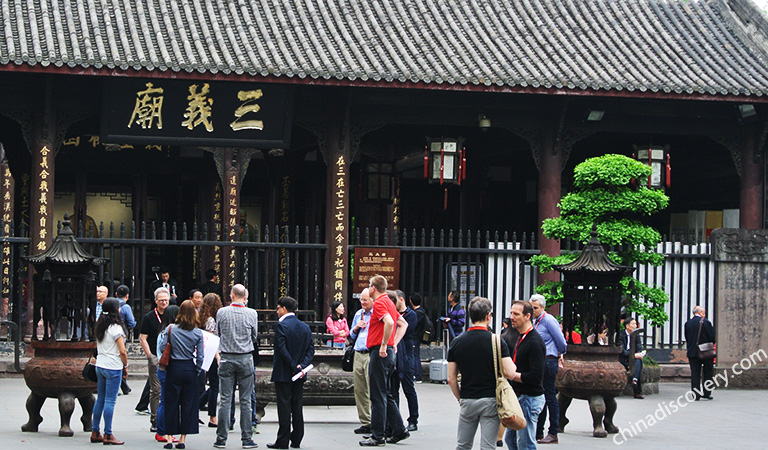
(610, 192)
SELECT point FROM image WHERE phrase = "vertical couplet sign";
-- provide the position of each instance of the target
(216, 230)
(285, 219)
(44, 198)
(231, 219)
(6, 190)
(376, 261)
(339, 223)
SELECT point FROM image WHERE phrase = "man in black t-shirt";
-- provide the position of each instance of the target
(471, 354)
(528, 355)
(150, 328)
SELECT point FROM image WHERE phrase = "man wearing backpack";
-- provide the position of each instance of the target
(424, 332)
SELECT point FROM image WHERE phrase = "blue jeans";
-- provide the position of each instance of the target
(161, 406)
(550, 394)
(108, 383)
(526, 439)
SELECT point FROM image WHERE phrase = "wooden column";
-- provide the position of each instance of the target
(550, 181)
(750, 196)
(337, 210)
(43, 148)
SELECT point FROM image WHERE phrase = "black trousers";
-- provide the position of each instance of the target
(697, 367)
(143, 404)
(181, 412)
(290, 397)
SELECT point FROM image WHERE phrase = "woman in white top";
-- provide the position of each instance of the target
(111, 366)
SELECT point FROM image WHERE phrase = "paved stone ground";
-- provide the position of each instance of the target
(734, 420)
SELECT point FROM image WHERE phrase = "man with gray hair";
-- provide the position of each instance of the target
(471, 354)
(150, 328)
(238, 327)
(359, 333)
(549, 329)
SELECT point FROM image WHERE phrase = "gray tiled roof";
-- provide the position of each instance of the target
(714, 47)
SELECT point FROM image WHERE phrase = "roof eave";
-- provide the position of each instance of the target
(144, 73)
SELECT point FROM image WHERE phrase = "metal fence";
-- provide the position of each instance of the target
(433, 262)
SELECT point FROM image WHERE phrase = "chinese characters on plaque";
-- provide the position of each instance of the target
(43, 193)
(339, 224)
(285, 210)
(179, 112)
(376, 261)
(7, 192)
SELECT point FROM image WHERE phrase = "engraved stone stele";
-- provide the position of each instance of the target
(741, 312)
(64, 281)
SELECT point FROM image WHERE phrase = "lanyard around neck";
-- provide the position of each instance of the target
(538, 321)
(520, 341)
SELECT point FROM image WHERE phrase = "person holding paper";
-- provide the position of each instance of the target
(293, 353)
(211, 306)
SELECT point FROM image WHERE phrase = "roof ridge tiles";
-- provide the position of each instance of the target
(713, 47)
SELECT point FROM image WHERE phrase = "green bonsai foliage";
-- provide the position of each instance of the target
(609, 192)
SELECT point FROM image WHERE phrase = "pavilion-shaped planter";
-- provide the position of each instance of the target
(592, 299)
(64, 292)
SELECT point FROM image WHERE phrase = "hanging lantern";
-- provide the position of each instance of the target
(657, 158)
(445, 161)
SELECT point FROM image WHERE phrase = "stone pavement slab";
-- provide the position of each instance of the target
(734, 420)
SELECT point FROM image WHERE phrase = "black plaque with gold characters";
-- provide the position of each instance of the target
(202, 113)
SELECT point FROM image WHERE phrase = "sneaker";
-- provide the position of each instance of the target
(371, 442)
(412, 427)
(220, 444)
(364, 429)
(250, 444)
(142, 412)
(255, 428)
(400, 437)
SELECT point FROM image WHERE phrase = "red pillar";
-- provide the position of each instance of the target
(550, 181)
(750, 195)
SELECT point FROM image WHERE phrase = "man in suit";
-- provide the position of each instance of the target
(164, 280)
(635, 355)
(293, 352)
(692, 341)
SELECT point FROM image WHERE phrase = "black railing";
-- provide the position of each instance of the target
(434, 263)
(279, 261)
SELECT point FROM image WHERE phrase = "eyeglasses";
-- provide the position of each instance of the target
(162, 300)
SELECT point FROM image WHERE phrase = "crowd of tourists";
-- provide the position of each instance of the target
(385, 336)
